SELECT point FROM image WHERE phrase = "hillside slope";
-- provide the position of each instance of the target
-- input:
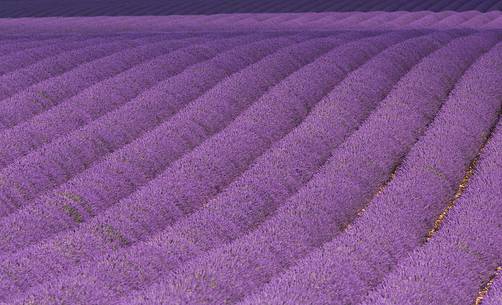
(339, 158)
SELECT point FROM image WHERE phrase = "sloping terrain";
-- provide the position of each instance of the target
(334, 158)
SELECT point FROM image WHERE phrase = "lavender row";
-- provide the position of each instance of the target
(442, 20)
(343, 20)
(62, 62)
(22, 78)
(16, 45)
(304, 21)
(118, 128)
(39, 97)
(42, 96)
(460, 258)
(359, 47)
(274, 176)
(397, 219)
(78, 111)
(468, 248)
(25, 57)
(352, 174)
(204, 117)
(453, 266)
(20, 47)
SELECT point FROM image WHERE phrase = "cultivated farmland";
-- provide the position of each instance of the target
(331, 158)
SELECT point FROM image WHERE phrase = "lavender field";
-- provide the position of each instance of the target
(347, 158)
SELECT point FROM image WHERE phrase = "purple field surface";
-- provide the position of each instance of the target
(350, 158)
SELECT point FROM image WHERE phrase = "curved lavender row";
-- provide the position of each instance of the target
(377, 20)
(27, 45)
(397, 220)
(116, 129)
(481, 20)
(440, 20)
(16, 45)
(229, 152)
(465, 252)
(333, 20)
(27, 57)
(44, 25)
(225, 214)
(429, 19)
(465, 20)
(406, 20)
(318, 210)
(20, 79)
(227, 22)
(118, 24)
(366, 20)
(48, 93)
(19, 43)
(290, 20)
(494, 296)
(357, 20)
(340, 21)
(44, 95)
(330, 19)
(496, 23)
(78, 111)
(351, 20)
(403, 20)
(455, 19)
(395, 20)
(176, 137)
